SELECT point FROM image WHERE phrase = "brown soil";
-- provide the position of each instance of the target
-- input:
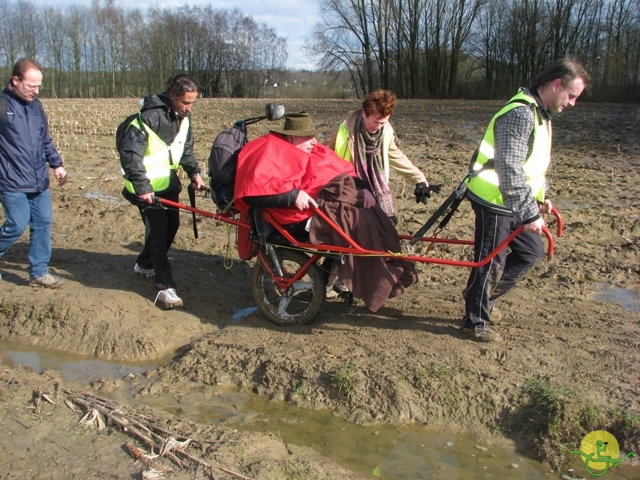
(411, 363)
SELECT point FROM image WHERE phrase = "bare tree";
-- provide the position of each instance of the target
(54, 23)
(463, 14)
(336, 50)
(8, 41)
(345, 27)
(27, 22)
(419, 48)
(77, 29)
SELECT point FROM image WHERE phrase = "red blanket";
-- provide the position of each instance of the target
(270, 165)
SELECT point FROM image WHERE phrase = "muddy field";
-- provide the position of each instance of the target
(567, 364)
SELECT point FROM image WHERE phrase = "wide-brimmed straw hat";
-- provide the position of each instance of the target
(299, 125)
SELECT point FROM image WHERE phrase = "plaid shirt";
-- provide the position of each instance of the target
(513, 134)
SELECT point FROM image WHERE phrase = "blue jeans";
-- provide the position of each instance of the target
(33, 210)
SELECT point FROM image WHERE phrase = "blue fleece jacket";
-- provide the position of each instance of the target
(26, 149)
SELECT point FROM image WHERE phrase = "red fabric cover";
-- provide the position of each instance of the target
(270, 165)
(247, 248)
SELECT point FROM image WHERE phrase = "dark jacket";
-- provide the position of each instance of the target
(157, 114)
(26, 149)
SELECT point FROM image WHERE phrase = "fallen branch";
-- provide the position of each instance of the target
(144, 430)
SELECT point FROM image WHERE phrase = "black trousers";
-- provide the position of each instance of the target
(487, 283)
(160, 229)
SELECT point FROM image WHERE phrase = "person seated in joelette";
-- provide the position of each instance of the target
(285, 171)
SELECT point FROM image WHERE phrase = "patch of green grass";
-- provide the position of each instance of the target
(431, 375)
(625, 426)
(561, 419)
(549, 402)
(436, 382)
(345, 379)
(298, 390)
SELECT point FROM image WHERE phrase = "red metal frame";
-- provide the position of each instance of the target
(317, 251)
(355, 249)
(284, 283)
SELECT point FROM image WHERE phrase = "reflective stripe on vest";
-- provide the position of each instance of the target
(160, 158)
(341, 146)
(485, 185)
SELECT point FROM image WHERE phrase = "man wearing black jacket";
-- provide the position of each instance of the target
(155, 143)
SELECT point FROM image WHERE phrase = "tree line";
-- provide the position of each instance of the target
(108, 51)
(417, 48)
(478, 48)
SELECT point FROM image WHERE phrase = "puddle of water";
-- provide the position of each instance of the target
(243, 312)
(627, 298)
(73, 367)
(103, 197)
(381, 451)
(385, 451)
(218, 405)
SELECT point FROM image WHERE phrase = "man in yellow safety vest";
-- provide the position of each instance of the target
(154, 144)
(509, 189)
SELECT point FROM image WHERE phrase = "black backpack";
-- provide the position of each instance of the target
(223, 161)
(3, 106)
(123, 127)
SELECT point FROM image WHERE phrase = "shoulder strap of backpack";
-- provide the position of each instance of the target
(3, 106)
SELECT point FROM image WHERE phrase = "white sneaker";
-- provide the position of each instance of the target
(168, 298)
(336, 289)
(144, 272)
(331, 293)
(47, 280)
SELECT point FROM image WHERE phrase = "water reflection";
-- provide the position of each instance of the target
(389, 452)
(627, 298)
(74, 368)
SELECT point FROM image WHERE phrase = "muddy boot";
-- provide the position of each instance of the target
(481, 332)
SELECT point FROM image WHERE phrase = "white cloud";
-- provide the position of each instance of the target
(291, 19)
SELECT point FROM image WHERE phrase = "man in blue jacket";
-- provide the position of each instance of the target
(26, 154)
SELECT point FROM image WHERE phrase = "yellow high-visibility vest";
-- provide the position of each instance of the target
(160, 158)
(485, 185)
(342, 146)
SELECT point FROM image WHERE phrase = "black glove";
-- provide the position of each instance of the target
(436, 187)
(394, 220)
(422, 192)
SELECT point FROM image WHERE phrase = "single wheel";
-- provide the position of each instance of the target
(302, 302)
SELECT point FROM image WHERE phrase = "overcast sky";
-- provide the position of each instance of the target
(291, 19)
